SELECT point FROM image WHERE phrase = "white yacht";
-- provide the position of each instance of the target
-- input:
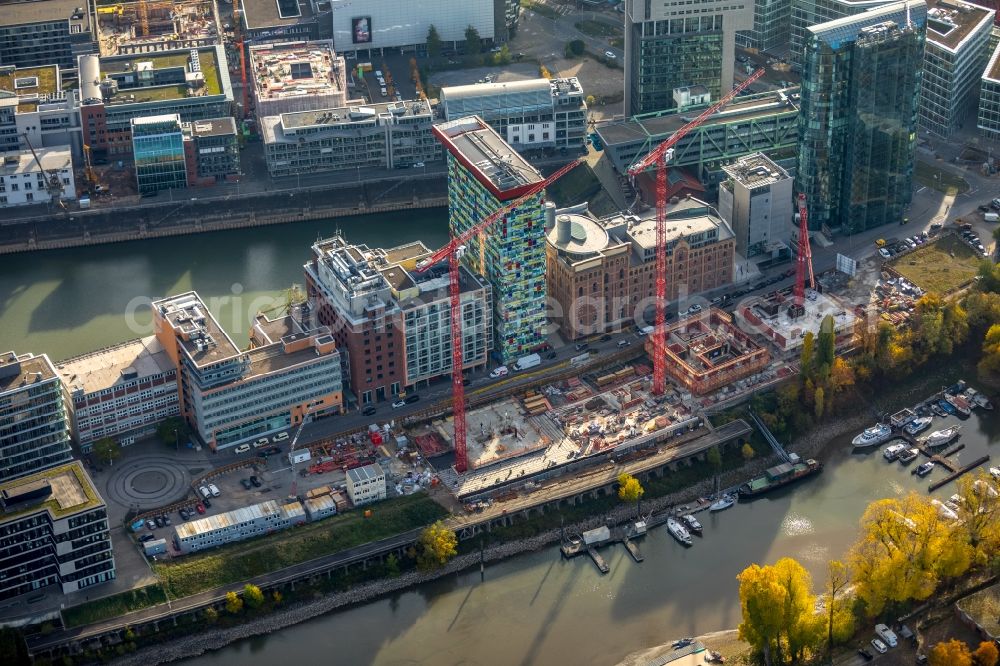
(678, 531)
(942, 437)
(918, 425)
(722, 503)
(893, 451)
(873, 436)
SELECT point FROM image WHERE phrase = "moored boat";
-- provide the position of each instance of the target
(995, 472)
(924, 469)
(942, 437)
(678, 531)
(893, 451)
(982, 401)
(918, 425)
(722, 503)
(873, 436)
(936, 408)
(944, 511)
(908, 456)
(778, 476)
(947, 407)
(692, 523)
(960, 404)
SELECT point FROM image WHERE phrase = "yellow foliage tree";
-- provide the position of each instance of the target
(437, 545)
(986, 654)
(778, 606)
(233, 603)
(839, 618)
(253, 596)
(629, 488)
(950, 653)
(980, 516)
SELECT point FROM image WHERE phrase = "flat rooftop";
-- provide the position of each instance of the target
(106, 368)
(283, 71)
(31, 81)
(20, 371)
(794, 329)
(62, 491)
(23, 161)
(265, 13)
(237, 517)
(273, 358)
(685, 218)
(484, 152)
(197, 331)
(345, 117)
(993, 68)
(208, 65)
(641, 128)
(213, 127)
(951, 22)
(41, 11)
(757, 170)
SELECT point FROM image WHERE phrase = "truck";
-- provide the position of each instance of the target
(529, 361)
(646, 330)
(991, 217)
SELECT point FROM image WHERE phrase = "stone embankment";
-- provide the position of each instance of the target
(213, 639)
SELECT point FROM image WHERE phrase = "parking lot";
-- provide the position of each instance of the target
(389, 73)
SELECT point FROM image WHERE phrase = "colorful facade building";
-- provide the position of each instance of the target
(484, 174)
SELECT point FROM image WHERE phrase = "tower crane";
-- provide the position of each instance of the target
(53, 183)
(804, 261)
(291, 449)
(453, 252)
(659, 158)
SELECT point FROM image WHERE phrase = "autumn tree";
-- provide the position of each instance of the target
(211, 615)
(826, 343)
(434, 43)
(982, 309)
(989, 363)
(233, 603)
(819, 402)
(778, 606)
(989, 275)
(807, 356)
(839, 618)
(760, 604)
(747, 452)
(980, 517)
(986, 654)
(950, 653)
(629, 489)
(436, 545)
(252, 595)
(107, 449)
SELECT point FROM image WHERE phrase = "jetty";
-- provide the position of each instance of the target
(589, 541)
(955, 473)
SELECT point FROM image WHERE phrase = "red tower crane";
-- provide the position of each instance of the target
(659, 158)
(453, 252)
(804, 261)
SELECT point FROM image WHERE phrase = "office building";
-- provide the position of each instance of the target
(954, 59)
(537, 113)
(675, 43)
(211, 150)
(988, 118)
(771, 27)
(858, 127)
(237, 525)
(285, 20)
(192, 83)
(158, 150)
(53, 531)
(394, 322)
(34, 432)
(121, 392)
(764, 122)
(601, 271)
(231, 396)
(484, 174)
(756, 200)
(360, 136)
(34, 102)
(23, 182)
(387, 24)
(44, 32)
(806, 13)
(297, 76)
(366, 484)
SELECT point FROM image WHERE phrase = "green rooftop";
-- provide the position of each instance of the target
(209, 69)
(72, 492)
(47, 80)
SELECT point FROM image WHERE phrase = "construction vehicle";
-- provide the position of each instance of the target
(658, 158)
(453, 252)
(53, 183)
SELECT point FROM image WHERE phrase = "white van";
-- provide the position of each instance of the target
(886, 634)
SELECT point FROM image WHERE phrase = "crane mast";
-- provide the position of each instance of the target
(658, 158)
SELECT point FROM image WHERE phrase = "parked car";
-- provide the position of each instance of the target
(610, 55)
(166, 520)
(263, 441)
(984, 208)
(884, 253)
(624, 343)
(995, 204)
(500, 371)
(214, 490)
(865, 654)
(879, 646)
(606, 337)
(269, 451)
(280, 437)
(199, 507)
(255, 481)
(582, 346)
(398, 404)
(207, 502)
(551, 355)
(246, 484)
(183, 513)
(204, 492)
(369, 410)
(695, 309)
(150, 525)
(147, 537)
(410, 399)
(242, 448)
(159, 521)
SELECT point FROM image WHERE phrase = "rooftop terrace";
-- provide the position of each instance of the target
(208, 65)
(61, 491)
(197, 331)
(951, 22)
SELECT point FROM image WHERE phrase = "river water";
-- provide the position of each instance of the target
(533, 609)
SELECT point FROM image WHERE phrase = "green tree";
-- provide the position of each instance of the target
(825, 346)
(436, 545)
(714, 458)
(591, 100)
(629, 488)
(989, 274)
(172, 429)
(982, 309)
(107, 449)
(748, 452)
(434, 44)
(473, 42)
(807, 356)
(211, 615)
(575, 48)
(819, 402)
(13, 648)
(502, 57)
(233, 603)
(253, 596)
(392, 565)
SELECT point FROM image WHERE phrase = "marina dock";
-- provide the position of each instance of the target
(633, 550)
(598, 560)
(957, 473)
(591, 540)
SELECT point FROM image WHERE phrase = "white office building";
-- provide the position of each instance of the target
(23, 182)
(366, 484)
(756, 200)
(238, 524)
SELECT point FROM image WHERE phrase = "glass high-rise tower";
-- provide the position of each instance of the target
(858, 122)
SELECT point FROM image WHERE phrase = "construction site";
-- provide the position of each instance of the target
(145, 26)
(784, 323)
(298, 76)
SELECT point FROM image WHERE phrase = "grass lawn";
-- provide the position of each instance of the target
(118, 604)
(940, 179)
(941, 266)
(539, 8)
(239, 561)
(597, 29)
